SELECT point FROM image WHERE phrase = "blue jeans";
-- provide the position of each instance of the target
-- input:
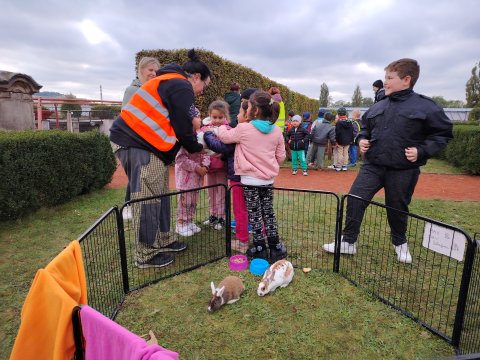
(352, 154)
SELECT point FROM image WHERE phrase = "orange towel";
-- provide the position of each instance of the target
(46, 322)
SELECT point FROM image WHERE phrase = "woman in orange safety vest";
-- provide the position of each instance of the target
(146, 136)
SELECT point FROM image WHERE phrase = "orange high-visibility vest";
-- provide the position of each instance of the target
(148, 117)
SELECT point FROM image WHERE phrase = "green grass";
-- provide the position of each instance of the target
(320, 313)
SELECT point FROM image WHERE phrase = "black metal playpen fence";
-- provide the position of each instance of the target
(440, 289)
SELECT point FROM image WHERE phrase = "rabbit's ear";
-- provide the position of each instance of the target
(212, 285)
(220, 291)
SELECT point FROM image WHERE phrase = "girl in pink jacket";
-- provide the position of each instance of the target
(190, 168)
(259, 152)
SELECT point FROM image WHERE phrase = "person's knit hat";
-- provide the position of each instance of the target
(246, 93)
(378, 84)
(297, 118)
(342, 111)
(306, 115)
(321, 113)
(329, 116)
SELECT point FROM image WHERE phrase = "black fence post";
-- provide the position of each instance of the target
(122, 248)
(463, 293)
(338, 232)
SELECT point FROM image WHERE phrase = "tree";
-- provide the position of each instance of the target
(357, 96)
(324, 95)
(441, 101)
(76, 109)
(472, 88)
(367, 102)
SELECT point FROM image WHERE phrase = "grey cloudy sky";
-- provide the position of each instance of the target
(77, 46)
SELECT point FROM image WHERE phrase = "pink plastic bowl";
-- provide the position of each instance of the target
(238, 263)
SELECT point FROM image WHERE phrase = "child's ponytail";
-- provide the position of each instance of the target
(268, 108)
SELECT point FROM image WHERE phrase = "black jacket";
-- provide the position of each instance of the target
(344, 132)
(177, 96)
(404, 119)
(379, 95)
(299, 137)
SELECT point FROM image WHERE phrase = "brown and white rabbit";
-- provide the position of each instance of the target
(228, 291)
(278, 275)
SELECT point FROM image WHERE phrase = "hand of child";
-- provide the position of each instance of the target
(411, 153)
(202, 170)
(364, 145)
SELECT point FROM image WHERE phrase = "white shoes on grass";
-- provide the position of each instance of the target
(188, 229)
(403, 254)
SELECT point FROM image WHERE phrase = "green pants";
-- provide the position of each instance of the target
(299, 156)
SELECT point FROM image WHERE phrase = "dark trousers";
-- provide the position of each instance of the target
(261, 215)
(399, 186)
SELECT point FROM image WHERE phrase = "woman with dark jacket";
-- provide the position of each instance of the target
(147, 135)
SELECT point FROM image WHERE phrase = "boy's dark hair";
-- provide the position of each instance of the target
(329, 116)
(405, 67)
(291, 113)
(235, 86)
(268, 108)
(195, 65)
(246, 93)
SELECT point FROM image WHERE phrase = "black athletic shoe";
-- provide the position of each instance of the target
(277, 252)
(257, 251)
(175, 246)
(212, 220)
(158, 261)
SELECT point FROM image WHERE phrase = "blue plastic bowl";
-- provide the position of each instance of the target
(258, 266)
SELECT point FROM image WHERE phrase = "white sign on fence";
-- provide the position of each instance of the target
(444, 241)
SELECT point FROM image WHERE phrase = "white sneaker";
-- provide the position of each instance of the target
(184, 230)
(194, 227)
(344, 168)
(345, 248)
(403, 255)
(127, 213)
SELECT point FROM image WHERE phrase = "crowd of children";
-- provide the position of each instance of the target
(233, 154)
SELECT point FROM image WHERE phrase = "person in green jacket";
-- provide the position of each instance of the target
(233, 100)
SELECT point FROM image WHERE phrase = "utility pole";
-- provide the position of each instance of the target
(101, 96)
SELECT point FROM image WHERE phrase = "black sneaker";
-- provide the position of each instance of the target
(158, 261)
(220, 224)
(277, 252)
(175, 246)
(212, 220)
(257, 251)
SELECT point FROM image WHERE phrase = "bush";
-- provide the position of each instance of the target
(463, 150)
(224, 72)
(46, 168)
(106, 111)
(474, 116)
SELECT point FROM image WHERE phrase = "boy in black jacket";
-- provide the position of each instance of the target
(398, 135)
(297, 138)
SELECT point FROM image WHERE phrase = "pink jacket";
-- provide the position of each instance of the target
(257, 154)
(186, 177)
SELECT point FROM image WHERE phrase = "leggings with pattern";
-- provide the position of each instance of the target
(259, 202)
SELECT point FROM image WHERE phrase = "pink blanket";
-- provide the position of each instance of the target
(105, 339)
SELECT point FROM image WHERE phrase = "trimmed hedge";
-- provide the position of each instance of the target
(464, 149)
(46, 168)
(224, 72)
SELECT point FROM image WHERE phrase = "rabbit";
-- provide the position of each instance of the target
(228, 292)
(278, 275)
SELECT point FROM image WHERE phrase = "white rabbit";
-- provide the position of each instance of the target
(228, 291)
(278, 275)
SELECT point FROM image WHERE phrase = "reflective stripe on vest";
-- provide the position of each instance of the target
(148, 117)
